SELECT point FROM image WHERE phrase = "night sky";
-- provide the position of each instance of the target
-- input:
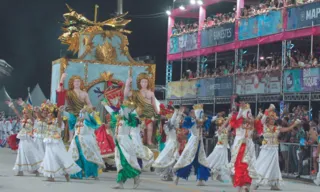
(30, 30)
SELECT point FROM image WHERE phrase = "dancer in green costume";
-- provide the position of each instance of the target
(125, 156)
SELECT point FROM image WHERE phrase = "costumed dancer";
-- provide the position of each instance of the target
(40, 127)
(83, 148)
(29, 157)
(57, 161)
(243, 151)
(170, 154)
(267, 164)
(125, 154)
(76, 99)
(193, 153)
(218, 159)
(113, 96)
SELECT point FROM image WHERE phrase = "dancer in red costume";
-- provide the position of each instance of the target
(113, 97)
(243, 152)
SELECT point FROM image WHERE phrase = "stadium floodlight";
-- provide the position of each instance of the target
(182, 8)
(192, 2)
(199, 2)
(168, 12)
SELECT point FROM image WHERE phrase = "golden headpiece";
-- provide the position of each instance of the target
(198, 106)
(143, 76)
(52, 108)
(71, 80)
(27, 108)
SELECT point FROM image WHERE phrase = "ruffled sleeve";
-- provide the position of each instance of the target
(235, 122)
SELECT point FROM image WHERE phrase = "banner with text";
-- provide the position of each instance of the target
(222, 86)
(217, 35)
(185, 42)
(301, 80)
(258, 83)
(261, 25)
(182, 89)
(303, 16)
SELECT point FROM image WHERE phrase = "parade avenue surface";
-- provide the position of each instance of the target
(150, 182)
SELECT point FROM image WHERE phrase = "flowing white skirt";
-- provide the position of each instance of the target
(167, 158)
(267, 167)
(57, 161)
(40, 145)
(143, 152)
(28, 158)
(218, 160)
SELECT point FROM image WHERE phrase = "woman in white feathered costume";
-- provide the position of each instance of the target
(84, 148)
(193, 153)
(57, 161)
(267, 164)
(169, 155)
(125, 153)
(218, 159)
(29, 157)
(40, 127)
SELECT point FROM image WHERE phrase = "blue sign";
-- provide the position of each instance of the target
(221, 86)
(261, 25)
(217, 35)
(303, 16)
(184, 42)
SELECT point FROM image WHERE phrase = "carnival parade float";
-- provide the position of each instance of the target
(103, 66)
(103, 55)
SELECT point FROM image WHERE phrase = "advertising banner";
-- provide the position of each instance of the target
(261, 25)
(182, 89)
(218, 35)
(184, 42)
(303, 16)
(258, 83)
(301, 80)
(222, 86)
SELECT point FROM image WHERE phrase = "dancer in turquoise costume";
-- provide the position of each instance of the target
(125, 154)
(76, 99)
(193, 153)
(84, 148)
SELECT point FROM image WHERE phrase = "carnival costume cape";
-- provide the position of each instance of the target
(84, 149)
(125, 154)
(170, 154)
(29, 157)
(57, 161)
(144, 154)
(243, 151)
(218, 159)
(193, 153)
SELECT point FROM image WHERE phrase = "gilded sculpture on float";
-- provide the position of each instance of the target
(76, 23)
(145, 101)
(106, 53)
